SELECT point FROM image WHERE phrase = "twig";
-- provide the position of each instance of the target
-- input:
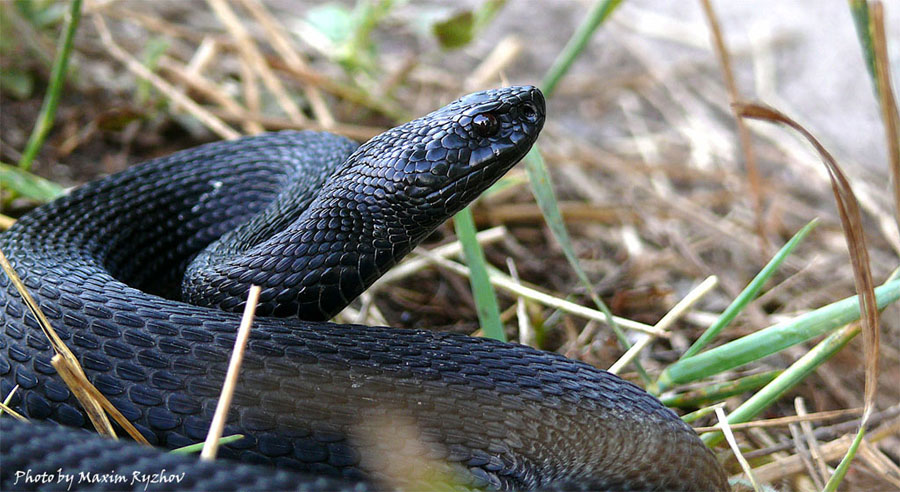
(756, 186)
(412, 265)
(280, 41)
(784, 421)
(355, 132)
(821, 433)
(509, 285)
(68, 367)
(663, 325)
(501, 56)
(889, 114)
(255, 59)
(211, 445)
(16, 415)
(135, 67)
(527, 335)
(723, 420)
(812, 443)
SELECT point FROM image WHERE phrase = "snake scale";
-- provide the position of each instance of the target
(143, 275)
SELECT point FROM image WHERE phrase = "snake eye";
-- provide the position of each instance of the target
(486, 124)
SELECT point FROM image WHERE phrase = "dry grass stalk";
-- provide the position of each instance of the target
(507, 284)
(355, 132)
(784, 421)
(792, 465)
(812, 475)
(4, 407)
(254, 58)
(70, 370)
(195, 81)
(251, 98)
(529, 213)
(851, 222)
(663, 325)
(527, 335)
(756, 187)
(137, 68)
(211, 445)
(411, 265)
(811, 441)
(506, 51)
(729, 437)
(6, 222)
(829, 432)
(16, 415)
(811, 459)
(9, 397)
(203, 56)
(889, 114)
(77, 385)
(831, 451)
(306, 74)
(880, 463)
(280, 41)
(157, 24)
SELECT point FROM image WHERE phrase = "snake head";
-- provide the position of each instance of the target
(375, 208)
(432, 167)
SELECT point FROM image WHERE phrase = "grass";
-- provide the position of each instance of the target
(57, 80)
(690, 221)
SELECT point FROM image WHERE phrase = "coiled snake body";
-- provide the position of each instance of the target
(142, 273)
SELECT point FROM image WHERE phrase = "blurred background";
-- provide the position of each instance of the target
(641, 143)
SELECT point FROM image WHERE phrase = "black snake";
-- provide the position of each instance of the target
(142, 274)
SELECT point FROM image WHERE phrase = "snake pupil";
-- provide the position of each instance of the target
(486, 124)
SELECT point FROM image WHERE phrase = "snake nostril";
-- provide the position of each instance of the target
(529, 112)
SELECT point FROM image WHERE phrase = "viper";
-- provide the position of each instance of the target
(143, 275)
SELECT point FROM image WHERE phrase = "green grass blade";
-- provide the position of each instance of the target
(844, 465)
(154, 49)
(750, 292)
(793, 375)
(719, 391)
(696, 415)
(537, 171)
(23, 183)
(599, 13)
(57, 80)
(542, 188)
(773, 339)
(859, 10)
(197, 447)
(485, 297)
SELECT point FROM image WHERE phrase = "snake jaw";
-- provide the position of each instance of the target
(455, 163)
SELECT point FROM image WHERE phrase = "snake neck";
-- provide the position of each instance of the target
(313, 252)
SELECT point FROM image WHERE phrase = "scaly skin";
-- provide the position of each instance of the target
(315, 220)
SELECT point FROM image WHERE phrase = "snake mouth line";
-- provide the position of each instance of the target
(518, 152)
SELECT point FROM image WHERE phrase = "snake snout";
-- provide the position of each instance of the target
(456, 152)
